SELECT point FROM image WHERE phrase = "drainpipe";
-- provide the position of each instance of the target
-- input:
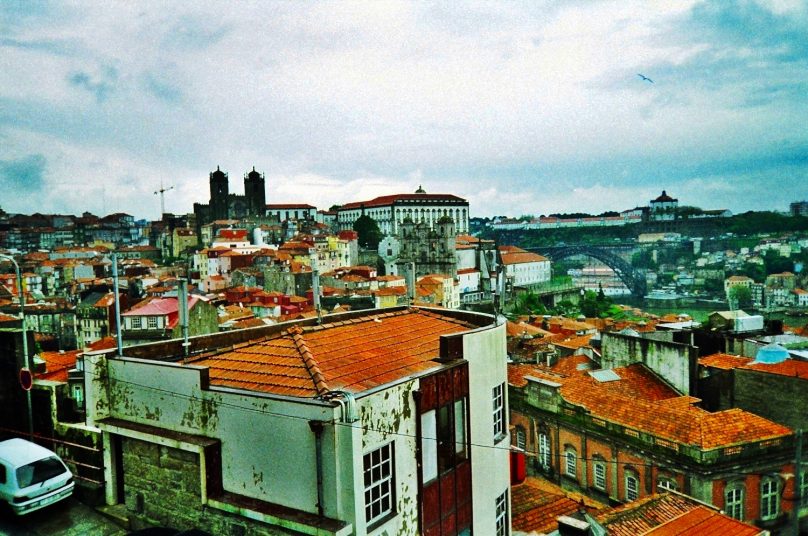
(317, 428)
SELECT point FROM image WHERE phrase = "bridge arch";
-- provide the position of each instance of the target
(634, 280)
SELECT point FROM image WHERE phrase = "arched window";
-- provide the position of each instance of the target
(570, 461)
(734, 499)
(769, 498)
(632, 485)
(544, 450)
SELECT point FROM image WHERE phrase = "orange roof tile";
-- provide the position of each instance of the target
(701, 521)
(537, 504)
(353, 355)
(789, 367)
(640, 516)
(574, 343)
(57, 364)
(641, 402)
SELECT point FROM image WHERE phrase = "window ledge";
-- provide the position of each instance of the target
(280, 516)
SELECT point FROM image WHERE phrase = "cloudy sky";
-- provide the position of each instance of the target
(522, 108)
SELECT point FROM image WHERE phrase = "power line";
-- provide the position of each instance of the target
(367, 428)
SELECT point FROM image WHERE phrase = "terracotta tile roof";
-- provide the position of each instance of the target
(517, 329)
(640, 516)
(284, 206)
(575, 343)
(520, 257)
(641, 402)
(789, 367)
(57, 364)
(703, 521)
(536, 504)
(573, 364)
(353, 355)
(387, 200)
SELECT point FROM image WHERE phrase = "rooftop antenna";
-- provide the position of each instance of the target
(161, 192)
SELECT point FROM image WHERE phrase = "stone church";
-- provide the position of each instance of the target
(226, 206)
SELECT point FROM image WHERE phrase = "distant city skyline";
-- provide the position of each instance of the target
(521, 108)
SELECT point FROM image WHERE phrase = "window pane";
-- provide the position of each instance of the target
(429, 446)
(460, 427)
(445, 450)
(378, 471)
(600, 476)
(544, 450)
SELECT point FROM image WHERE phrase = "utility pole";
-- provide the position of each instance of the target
(26, 359)
(161, 192)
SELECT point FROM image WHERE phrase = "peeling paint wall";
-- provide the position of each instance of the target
(268, 448)
(389, 416)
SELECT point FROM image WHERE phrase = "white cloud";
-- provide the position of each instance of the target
(339, 102)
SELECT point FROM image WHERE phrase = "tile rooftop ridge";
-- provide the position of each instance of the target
(312, 367)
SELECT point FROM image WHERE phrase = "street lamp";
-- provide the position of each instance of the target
(25, 356)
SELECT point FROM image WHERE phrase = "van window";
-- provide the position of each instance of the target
(2, 474)
(39, 471)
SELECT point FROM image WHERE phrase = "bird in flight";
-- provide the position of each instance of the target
(645, 78)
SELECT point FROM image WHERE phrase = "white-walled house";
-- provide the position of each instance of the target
(522, 268)
(376, 422)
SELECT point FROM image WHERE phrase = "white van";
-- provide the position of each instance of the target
(31, 477)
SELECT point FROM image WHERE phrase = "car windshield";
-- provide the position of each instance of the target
(39, 471)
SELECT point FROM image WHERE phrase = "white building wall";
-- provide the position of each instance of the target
(486, 353)
(390, 416)
(255, 464)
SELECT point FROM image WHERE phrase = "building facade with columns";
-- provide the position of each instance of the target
(390, 211)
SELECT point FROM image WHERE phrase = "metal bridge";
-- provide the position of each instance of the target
(634, 280)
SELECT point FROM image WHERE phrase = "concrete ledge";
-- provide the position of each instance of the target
(280, 516)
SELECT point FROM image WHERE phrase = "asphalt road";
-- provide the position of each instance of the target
(66, 518)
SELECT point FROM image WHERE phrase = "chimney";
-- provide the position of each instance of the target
(571, 526)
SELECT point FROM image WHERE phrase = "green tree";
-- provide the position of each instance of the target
(368, 230)
(643, 259)
(741, 296)
(776, 264)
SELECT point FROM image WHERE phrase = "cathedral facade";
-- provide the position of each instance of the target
(226, 206)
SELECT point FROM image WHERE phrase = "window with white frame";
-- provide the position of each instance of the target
(379, 484)
(501, 515)
(152, 322)
(570, 462)
(136, 322)
(769, 498)
(804, 487)
(544, 450)
(521, 438)
(599, 474)
(734, 501)
(632, 486)
(665, 483)
(498, 398)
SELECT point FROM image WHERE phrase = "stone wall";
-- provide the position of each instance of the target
(162, 487)
(781, 399)
(675, 363)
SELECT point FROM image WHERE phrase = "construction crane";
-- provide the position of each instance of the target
(161, 192)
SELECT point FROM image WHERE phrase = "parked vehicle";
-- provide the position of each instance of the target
(31, 476)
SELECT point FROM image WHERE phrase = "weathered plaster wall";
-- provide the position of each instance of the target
(672, 361)
(162, 489)
(257, 460)
(389, 416)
